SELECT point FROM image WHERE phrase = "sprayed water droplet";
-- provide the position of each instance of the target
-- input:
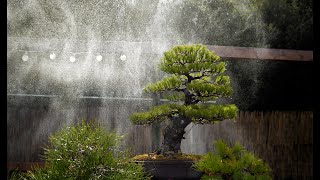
(52, 55)
(194, 20)
(99, 57)
(123, 57)
(25, 57)
(72, 59)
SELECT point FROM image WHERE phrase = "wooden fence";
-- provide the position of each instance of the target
(284, 139)
(281, 138)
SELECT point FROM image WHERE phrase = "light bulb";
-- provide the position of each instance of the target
(25, 57)
(99, 57)
(123, 57)
(72, 58)
(52, 56)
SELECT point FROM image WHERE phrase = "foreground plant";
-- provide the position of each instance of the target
(196, 81)
(232, 163)
(85, 151)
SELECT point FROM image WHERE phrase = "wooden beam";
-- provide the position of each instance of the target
(261, 53)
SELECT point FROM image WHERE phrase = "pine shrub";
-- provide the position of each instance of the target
(232, 163)
(85, 151)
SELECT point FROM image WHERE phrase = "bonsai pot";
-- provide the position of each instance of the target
(171, 169)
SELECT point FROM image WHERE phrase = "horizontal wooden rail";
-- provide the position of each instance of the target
(151, 47)
(262, 53)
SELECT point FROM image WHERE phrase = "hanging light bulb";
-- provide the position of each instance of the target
(99, 57)
(123, 57)
(25, 57)
(52, 55)
(72, 58)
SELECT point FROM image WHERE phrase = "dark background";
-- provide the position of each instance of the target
(280, 85)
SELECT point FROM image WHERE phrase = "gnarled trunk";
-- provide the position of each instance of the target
(173, 134)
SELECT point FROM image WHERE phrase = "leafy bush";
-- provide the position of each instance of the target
(85, 151)
(232, 163)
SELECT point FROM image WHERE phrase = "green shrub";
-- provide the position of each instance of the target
(85, 151)
(232, 163)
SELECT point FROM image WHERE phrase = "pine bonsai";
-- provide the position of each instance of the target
(196, 80)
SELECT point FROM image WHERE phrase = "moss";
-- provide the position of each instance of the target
(160, 157)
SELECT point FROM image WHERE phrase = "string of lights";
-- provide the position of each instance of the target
(72, 58)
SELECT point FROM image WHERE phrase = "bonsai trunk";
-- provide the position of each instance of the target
(173, 134)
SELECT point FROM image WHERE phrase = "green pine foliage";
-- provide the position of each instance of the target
(196, 78)
(173, 96)
(183, 60)
(166, 84)
(85, 151)
(232, 163)
(199, 113)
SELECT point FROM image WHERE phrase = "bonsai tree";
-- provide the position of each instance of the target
(196, 80)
